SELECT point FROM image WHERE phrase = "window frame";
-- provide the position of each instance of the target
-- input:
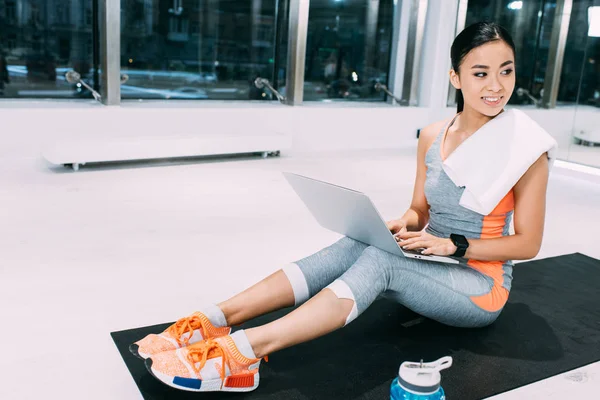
(108, 41)
(297, 35)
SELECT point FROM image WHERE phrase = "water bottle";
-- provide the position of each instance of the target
(419, 380)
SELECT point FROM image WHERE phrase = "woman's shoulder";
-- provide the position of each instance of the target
(429, 133)
(435, 128)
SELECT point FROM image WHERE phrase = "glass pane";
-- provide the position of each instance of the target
(574, 53)
(201, 49)
(348, 49)
(530, 25)
(585, 146)
(40, 40)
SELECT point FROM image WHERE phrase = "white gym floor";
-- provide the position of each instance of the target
(111, 248)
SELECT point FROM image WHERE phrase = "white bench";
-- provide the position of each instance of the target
(78, 152)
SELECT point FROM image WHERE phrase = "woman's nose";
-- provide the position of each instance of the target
(494, 84)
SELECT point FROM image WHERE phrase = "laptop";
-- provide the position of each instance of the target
(351, 213)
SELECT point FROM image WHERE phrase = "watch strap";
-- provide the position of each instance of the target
(461, 248)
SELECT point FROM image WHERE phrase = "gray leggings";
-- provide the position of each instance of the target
(356, 271)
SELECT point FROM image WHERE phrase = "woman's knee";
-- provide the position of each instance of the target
(377, 260)
(375, 253)
(370, 274)
(344, 247)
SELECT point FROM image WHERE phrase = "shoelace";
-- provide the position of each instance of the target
(186, 324)
(199, 353)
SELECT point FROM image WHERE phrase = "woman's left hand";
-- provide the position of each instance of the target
(433, 245)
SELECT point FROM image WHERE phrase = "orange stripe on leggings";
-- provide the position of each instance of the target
(497, 297)
(493, 227)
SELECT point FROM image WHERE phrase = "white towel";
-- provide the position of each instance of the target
(493, 159)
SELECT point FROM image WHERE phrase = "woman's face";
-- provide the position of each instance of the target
(486, 77)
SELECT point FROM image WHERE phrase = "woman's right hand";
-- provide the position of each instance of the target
(397, 227)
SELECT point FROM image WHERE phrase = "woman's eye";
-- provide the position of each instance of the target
(484, 74)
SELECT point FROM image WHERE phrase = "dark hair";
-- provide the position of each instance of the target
(471, 37)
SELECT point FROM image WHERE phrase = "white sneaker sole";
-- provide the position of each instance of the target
(197, 385)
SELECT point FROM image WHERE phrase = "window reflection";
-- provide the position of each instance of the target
(585, 144)
(530, 25)
(200, 49)
(581, 58)
(39, 41)
(348, 49)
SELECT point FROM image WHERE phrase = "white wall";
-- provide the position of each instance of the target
(26, 130)
(27, 127)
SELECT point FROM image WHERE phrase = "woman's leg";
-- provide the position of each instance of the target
(231, 362)
(438, 291)
(322, 314)
(293, 284)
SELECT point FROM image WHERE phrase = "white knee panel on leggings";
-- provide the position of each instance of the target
(298, 282)
(343, 291)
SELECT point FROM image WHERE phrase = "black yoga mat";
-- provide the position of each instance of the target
(550, 325)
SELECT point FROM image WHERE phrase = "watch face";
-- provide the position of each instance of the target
(460, 241)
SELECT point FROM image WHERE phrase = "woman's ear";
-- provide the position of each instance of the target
(454, 79)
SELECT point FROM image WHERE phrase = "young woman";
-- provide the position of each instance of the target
(338, 283)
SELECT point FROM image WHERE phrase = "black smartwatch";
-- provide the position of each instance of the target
(461, 243)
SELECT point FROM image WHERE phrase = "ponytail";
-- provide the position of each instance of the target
(460, 101)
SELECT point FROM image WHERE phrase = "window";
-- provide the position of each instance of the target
(264, 32)
(11, 41)
(39, 42)
(63, 13)
(583, 148)
(35, 15)
(198, 49)
(582, 56)
(88, 17)
(530, 25)
(195, 28)
(10, 10)
(348, 49)
(178, 29)
(89, 47)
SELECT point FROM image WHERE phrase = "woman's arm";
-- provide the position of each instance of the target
(530, 210)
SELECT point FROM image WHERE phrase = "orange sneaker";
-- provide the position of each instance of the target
(208, 366)
(184, 332)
